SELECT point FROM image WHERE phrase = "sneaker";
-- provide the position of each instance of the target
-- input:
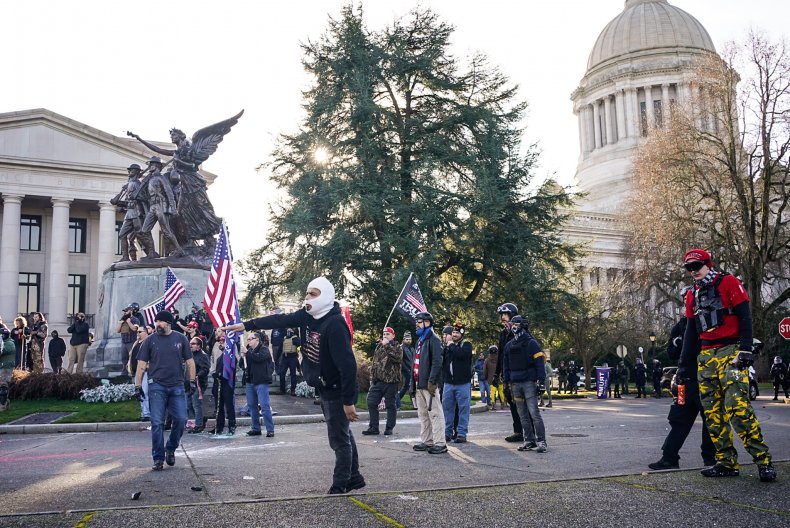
(231, 431)
(421, 447)
(269, 434)
(767, 472)
(254, 433)
(663, 464)
(336, 490)
(388, 431)
(542, 447)
(448, 438)
(170, 458)
(515, 437)
(719, 470)
(355, 483)
(437, 449)
(528, 446)
(460, 440)
(158, 465)
(370, 431)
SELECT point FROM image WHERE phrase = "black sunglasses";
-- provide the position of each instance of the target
(694, 266)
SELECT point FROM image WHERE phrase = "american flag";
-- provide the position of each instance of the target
(221, 302)
(150, 311)
(173, 289)
(410, 302)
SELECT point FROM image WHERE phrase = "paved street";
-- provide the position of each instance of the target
(598, 451)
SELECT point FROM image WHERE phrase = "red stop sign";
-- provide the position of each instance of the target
(784, 327)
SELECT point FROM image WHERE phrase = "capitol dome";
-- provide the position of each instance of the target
(649, 25)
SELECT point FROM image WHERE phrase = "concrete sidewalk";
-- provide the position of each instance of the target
(290, 410)
(594, 474)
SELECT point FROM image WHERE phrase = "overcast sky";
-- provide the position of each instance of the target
(147, 66)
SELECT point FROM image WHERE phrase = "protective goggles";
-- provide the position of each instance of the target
(694, 265)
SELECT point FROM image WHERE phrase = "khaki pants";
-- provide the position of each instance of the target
(431, 422)
(76, 356)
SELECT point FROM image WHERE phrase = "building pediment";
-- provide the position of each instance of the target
(42, 138)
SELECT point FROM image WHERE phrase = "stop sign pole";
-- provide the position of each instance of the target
(784, 327)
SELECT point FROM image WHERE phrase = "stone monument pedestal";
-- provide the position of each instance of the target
(141, 282)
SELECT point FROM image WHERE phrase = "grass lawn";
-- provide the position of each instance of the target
(128, 411)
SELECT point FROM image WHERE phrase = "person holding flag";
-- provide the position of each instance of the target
(328, 363)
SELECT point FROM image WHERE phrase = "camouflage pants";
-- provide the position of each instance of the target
(724, 391)
(36, 356)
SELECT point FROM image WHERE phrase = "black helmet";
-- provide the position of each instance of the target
(133, 166)
(493, 349)
(757, 346)
(508, 308)
(134, 306)
(519, 322)
(447, 330)
(424, 316)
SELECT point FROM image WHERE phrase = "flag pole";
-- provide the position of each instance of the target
(396, 300)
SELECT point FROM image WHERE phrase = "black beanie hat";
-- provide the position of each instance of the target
(165, 317)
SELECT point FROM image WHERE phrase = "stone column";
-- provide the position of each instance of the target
(597, 124)
(58, 262)
(622, 131)
(9, 257)
(665, 110)
(580, 118)
(651, 115)
(107, 239)
(632, 103)
(589, 132)
(611, 133)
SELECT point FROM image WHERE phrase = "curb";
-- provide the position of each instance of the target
(105, 427)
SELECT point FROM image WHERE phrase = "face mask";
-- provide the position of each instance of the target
(320, 306)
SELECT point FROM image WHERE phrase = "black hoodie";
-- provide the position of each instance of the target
(327, 340)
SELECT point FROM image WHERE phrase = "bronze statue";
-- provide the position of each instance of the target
(194, 218)
(134, 210)
(161, 207)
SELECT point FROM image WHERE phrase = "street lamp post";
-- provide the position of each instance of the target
(652, 337)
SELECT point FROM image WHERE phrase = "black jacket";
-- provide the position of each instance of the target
(457, 363)
(79, 333)
(57, 347)
(504, 337)
(326, 340)
(202, 366)
(260, 365)
(430, 361)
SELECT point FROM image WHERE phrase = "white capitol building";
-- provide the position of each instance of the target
(639, 66)
(59, 231)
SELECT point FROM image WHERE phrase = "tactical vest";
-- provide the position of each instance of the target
(709, 311)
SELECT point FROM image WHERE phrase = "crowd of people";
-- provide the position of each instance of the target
(174, 360)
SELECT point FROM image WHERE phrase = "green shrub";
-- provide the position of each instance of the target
(28, 386)
(363, 373)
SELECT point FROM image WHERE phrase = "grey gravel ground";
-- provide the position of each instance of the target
(594, 474)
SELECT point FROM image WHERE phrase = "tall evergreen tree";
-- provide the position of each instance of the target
(408, 161)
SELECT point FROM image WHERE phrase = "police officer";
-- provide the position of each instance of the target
(779, 375)
(640, 377)
(720, 323)
(683, 414)
(163, 356)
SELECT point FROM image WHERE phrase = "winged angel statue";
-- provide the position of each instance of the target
(194, 222)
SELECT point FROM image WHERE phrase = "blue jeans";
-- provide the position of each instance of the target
(341, 440)
(197, 407)
(485, 391)
(453, 395)
(259, 394)
(173, 400)
(145, 410)
(525, 396)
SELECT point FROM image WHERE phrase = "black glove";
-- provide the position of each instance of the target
(139, 395)
(508, 393)
(743, 360)
(541, 387)
(190, 387)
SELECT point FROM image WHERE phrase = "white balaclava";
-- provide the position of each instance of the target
(321, 305)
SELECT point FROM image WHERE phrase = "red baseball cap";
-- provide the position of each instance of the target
(697, 255)
(389, 330)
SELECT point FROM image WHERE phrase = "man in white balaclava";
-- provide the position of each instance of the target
(328, 364)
